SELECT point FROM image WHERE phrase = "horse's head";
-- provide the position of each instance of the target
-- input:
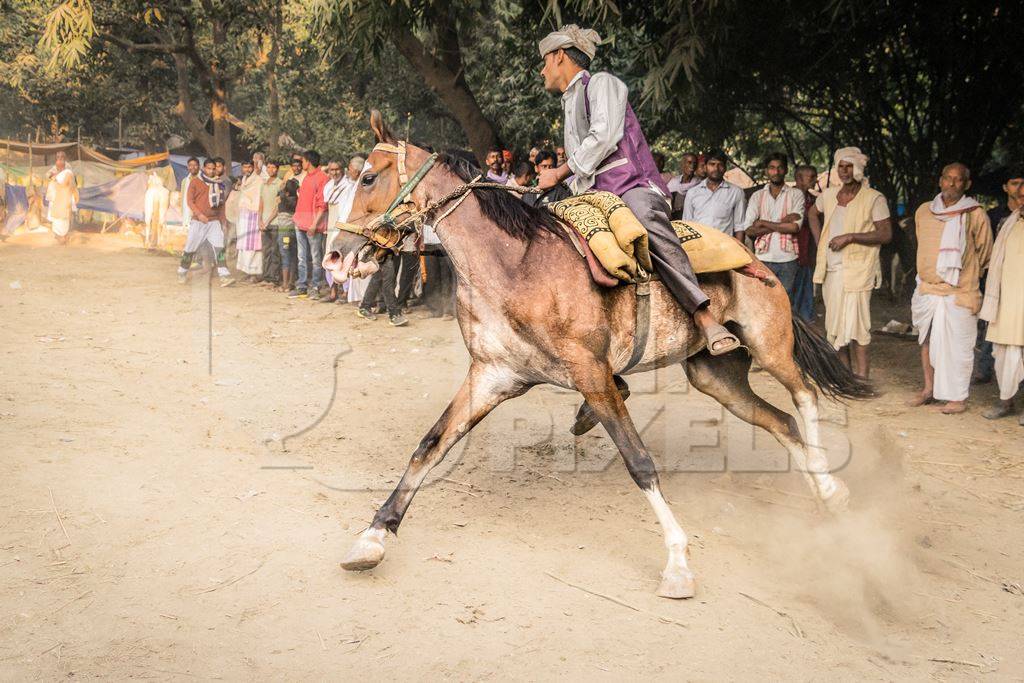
(386, 172)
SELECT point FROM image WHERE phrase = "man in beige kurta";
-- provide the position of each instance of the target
(1003, 308)
(954, 241)
(851, 223)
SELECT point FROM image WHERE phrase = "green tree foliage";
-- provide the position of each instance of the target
(916, 84)
(88, 96)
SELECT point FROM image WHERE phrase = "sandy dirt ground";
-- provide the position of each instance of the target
(183, 469)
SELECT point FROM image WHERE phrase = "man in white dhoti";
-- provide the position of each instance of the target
(62, 196)
(954, 241)
(1003, 308)
(850, 222)
(249, 239)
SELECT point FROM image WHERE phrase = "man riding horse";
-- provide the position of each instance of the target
(531, 313)
(606, 150)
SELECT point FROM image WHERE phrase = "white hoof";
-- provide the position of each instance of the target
(365, 554)
(677, 586)
(839, 501)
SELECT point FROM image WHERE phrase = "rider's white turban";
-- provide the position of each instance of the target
(585, 40)
(854, 156)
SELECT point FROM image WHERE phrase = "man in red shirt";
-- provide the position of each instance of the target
(311, 228)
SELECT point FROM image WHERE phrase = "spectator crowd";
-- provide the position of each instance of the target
(970, 328)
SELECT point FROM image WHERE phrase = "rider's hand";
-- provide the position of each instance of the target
(548, 178)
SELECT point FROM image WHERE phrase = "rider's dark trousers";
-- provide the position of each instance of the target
(670, 261)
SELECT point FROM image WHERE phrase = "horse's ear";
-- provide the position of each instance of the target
(380, 129)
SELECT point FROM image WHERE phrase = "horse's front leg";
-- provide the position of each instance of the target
(483, 389)
(594, 380)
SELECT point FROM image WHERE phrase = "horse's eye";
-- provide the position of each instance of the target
(369, 179)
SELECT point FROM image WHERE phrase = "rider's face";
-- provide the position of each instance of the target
(550, 71)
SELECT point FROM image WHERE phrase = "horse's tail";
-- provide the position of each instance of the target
(819, 361)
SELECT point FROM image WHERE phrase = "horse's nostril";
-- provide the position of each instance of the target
(332, 258)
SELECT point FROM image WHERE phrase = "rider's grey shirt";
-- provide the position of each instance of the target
(588, 143)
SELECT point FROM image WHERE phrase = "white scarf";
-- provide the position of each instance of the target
(214, 190)
(954, 236)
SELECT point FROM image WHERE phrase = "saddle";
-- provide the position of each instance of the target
(616, 246)
(613, 242)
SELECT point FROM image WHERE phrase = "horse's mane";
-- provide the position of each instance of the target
(505, 209)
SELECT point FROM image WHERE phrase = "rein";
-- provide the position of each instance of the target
(386, 233)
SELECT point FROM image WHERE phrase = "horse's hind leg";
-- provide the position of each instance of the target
(483, 389)
(594, 380)
(778, 361)
(724, 378)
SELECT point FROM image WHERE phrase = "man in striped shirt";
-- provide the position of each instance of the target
(773, 218)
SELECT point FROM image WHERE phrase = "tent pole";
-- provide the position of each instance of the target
(29, 160)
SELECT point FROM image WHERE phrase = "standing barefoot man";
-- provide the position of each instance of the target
(606, 150)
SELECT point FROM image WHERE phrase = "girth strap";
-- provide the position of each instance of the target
(643, 322)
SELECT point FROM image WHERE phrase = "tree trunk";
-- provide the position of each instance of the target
(220, 123)
(185, 109)
(218, 86)
(453, 90)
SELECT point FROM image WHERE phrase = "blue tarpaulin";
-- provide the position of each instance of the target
(17, 207)
(123, 197)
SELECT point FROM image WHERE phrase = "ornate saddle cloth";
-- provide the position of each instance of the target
(618, 240)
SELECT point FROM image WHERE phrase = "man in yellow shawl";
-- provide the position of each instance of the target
(850, 222)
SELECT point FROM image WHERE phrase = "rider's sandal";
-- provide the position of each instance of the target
(726, 340)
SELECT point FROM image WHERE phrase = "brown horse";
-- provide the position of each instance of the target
(530, 314)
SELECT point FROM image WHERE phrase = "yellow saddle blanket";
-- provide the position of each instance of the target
(619, 240)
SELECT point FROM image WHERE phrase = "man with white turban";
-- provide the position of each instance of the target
(1003, 308)
(851, 222)
(606, 150)
(954, 241)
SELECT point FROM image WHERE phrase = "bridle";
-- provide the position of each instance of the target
(384, 232)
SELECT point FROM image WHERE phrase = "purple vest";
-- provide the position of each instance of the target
(635, 164)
